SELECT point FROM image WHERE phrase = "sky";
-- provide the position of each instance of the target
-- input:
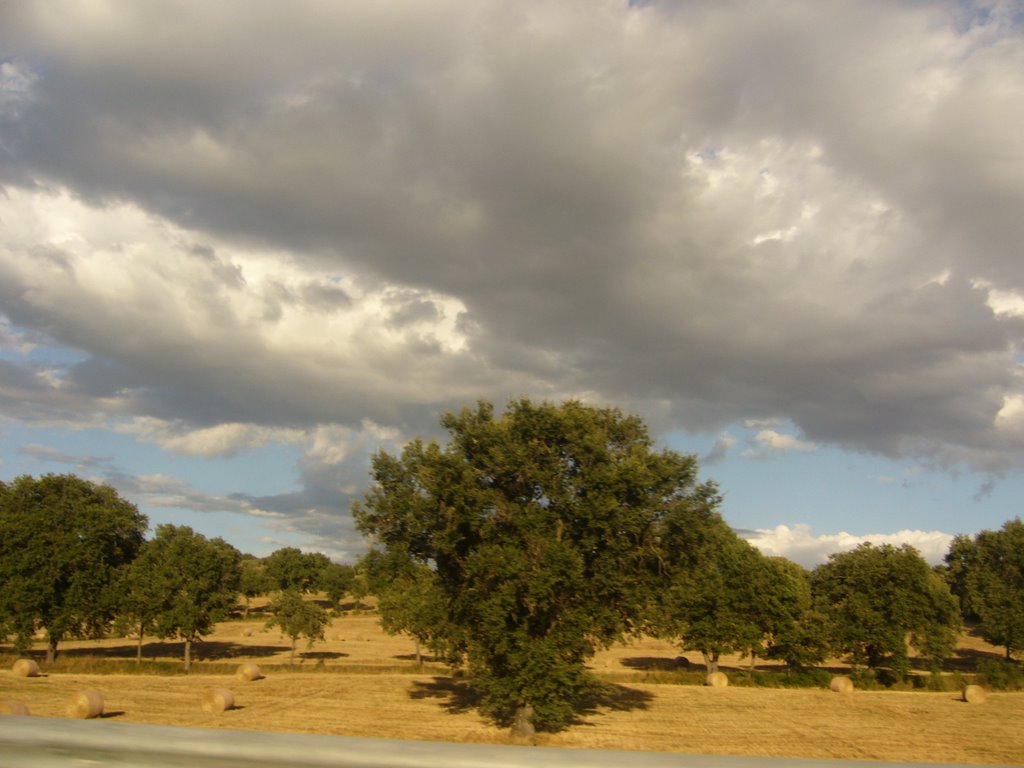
(245, 245)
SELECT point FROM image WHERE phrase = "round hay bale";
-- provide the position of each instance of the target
(217, 700)
(25, 668)
(13, 707)
(973, 694)
(85, 705)
(841, 684)
(717, 680)
(248, 672)
(247, 632)
(682, 662)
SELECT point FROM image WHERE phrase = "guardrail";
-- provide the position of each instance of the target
(38, 742)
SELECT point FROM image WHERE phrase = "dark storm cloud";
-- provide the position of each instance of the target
(704, 212)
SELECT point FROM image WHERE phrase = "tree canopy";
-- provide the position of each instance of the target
(188, 582)
(291, 568)
(297, 618)
(876, 597)
(539, 531)
(62, 541)
(988, 575)
(706, 598)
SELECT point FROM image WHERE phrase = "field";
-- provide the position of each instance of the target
(360, 682)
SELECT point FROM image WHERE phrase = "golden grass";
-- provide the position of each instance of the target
(374, 690)
(871, 725)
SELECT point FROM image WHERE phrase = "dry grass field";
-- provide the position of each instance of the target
(361, 682)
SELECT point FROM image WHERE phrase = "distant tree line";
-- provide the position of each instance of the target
(74, 562)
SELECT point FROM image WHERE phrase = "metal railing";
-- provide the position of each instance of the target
(38, 742)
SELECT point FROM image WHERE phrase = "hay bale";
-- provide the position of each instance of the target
(973, 694)
(717, 680)
(247, 632)
(682, 662)
(85, 705)
(13, 707)
(248, 672)
(841, 684)
(217, 700)
(25, 668)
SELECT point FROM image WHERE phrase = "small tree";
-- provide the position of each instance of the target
(336, 581)
(253, 580)
(143, 599)
(409, 601)
(290, 568)
(877, 598)
(297, 618)
(959, 568)
(706, 600)
(195, 578)
(62, 542)
(794, 631)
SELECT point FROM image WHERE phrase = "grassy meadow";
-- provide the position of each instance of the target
(362, 682)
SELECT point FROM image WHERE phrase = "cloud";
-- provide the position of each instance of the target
(801, 545)
(723, 444)
(218, 440)
(771, 441)
(706, 213)
(48, 454)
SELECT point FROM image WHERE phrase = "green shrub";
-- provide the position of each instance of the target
(1001, 675)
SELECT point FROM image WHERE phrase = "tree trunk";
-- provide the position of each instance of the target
(710, 661)
(522, 724)
(138, 646)
(419, 657)
(51, 649)
(753, 662)
(188, 654)
(294, 641)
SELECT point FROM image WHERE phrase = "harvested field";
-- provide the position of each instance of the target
(871, 725)
(361, 682)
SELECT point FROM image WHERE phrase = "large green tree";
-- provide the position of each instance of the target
(878, 598)
(539, 531)
(194, 579)
(993, 583)
(62, 541)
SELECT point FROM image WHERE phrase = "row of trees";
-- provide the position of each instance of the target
(519, 548)
(533, 538)
(73, 559)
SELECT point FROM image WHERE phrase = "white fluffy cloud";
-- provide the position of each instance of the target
(771, 440)
(800, 544)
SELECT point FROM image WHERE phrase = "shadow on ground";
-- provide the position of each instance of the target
(204, 651)
(323, 655)
(457, 696)
(658, 663)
